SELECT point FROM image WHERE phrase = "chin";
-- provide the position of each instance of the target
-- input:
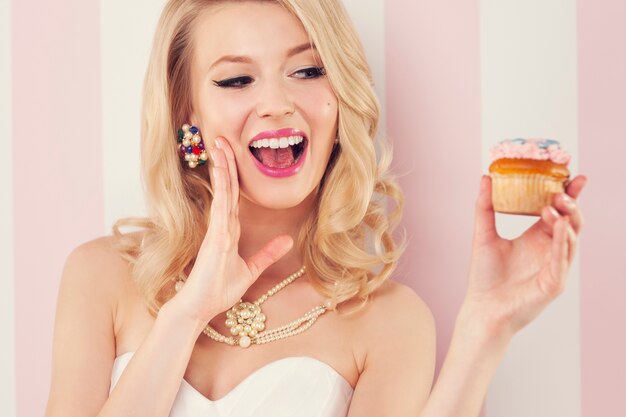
(275, 198)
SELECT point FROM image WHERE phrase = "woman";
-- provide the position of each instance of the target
(277, 96)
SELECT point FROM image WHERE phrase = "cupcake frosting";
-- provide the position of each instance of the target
(539, 149)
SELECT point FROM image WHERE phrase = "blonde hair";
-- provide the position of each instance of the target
(347, 239)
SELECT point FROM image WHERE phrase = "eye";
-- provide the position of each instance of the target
(311, 72)
(236, 82)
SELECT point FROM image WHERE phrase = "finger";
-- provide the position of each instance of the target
(232, 170)
(566, 205)
(270, 253)
(210, 164)
(549, 216)
(222, 163)
(574, 187)
(485, 218)
(219, 205)
(572, 242)
(555, 281)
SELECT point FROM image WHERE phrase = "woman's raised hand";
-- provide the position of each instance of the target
(220, 277)
(512, 281)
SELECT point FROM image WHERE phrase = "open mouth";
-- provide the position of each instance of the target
(279, 153)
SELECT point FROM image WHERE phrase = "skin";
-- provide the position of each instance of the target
(278, 93)
(386, 349)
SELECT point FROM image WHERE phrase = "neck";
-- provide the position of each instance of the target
(261, 224)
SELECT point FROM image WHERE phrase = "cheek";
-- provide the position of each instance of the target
(225, 115)
(320, 108)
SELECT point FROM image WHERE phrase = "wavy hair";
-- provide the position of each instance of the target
(347, 239)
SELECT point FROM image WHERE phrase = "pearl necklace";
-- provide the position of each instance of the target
(247, 321)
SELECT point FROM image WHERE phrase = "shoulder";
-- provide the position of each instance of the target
(95, 268)
(395, 321)
(397, 336)
(84, 343)
(96, 253)
(400, 300)
(398, 306)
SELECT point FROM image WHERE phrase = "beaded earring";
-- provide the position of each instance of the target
(191, 146)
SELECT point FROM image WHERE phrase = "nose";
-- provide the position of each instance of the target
(274, 100)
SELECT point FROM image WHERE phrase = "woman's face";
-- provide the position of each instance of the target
(257, 82)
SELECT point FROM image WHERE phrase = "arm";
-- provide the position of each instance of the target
(399, 365)
(84, 344)
(84, 341)
(467, 371)
(510, 283)
(399, 368)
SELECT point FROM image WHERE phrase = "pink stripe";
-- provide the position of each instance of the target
(602, 92)
(58, 197)
(433, 108)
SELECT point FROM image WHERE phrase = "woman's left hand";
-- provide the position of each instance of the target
(512, 281)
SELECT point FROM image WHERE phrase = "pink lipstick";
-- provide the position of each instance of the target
(279, 153)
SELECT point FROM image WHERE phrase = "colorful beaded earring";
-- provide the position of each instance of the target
(191, 146)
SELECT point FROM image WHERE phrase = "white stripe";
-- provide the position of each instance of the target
(529, 89)
(7, 305)
(127, 29)
(370, 23)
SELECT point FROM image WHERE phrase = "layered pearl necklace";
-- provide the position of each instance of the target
(246, 320)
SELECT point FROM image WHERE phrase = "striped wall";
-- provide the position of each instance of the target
(602, 133)
(57, 174)
(453, 77)
(433, 107)
(7, 284)
(529, 90)
(122, 72)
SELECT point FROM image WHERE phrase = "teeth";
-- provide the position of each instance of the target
(275, 143)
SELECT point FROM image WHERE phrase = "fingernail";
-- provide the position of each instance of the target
(569, 202)
(553, 212)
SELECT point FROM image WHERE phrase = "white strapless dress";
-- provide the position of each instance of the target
(298, 386)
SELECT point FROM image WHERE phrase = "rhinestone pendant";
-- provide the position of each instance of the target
(245, 320)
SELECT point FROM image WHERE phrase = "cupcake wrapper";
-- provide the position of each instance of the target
(523, 193)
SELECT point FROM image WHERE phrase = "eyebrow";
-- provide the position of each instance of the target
(247, 60)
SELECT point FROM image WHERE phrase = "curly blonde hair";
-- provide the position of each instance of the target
(347, 239)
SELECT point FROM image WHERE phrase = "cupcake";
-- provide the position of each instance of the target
(526, 173)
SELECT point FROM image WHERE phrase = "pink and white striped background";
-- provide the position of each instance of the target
(454, 77)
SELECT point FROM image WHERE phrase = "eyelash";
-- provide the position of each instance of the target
(237, 81)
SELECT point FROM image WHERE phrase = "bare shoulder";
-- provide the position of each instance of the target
(84, 344)
(394, 320)
(397, 343)
(395, 304)
(96, 275)
(96, 265)
(99, 252)
(398, 313)
(399, 299)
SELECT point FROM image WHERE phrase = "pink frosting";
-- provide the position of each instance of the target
(541, 149)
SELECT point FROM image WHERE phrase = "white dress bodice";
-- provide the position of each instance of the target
(297, 386)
